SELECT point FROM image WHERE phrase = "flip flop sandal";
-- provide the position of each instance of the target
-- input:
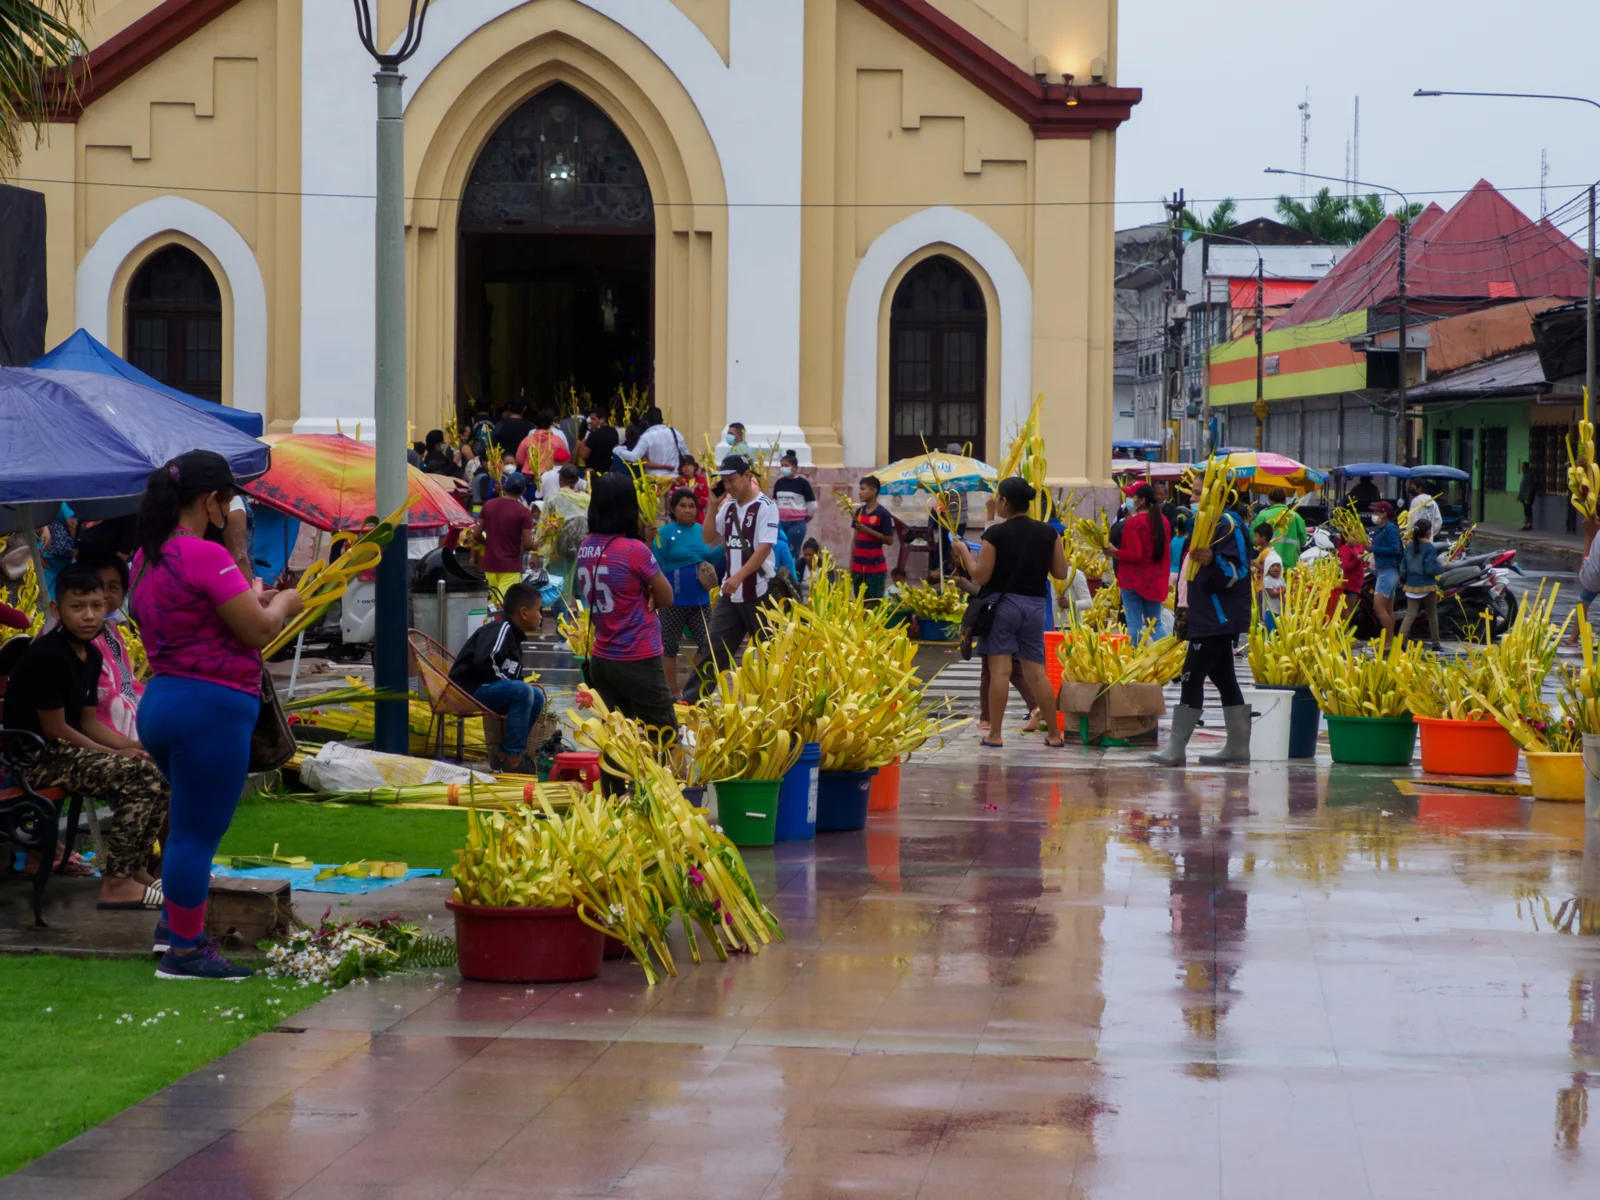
(151, 900)
(988, 745)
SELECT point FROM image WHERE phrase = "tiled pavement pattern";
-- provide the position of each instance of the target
(1049, 974)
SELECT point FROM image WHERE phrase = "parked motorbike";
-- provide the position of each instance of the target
(1469, 588)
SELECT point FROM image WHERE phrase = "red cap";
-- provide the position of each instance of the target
(1384, 507)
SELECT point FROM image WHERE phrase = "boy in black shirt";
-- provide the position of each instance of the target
(489, 669)
(52, 693)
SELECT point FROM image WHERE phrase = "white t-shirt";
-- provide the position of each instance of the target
(550, 484)
(766, 534)
(658, 444)
(1423, 508)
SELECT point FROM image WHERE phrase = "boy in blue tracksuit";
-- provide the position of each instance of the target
(1219, 611)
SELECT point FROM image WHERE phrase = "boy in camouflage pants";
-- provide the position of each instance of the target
(52, 693)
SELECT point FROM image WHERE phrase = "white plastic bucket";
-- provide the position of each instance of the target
(1269, 723)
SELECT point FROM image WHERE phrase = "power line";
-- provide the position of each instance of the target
(755, 204)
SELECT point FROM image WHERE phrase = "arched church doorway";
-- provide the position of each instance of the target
(173, 324)
(937, 334)
(556, 260)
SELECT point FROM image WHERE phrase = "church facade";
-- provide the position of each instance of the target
(853, 225)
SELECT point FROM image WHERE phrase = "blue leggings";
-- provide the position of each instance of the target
(199, 735)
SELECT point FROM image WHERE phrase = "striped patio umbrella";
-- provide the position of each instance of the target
(328, 481)
(1260, 471)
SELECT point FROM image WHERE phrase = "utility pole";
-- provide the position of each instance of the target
(1177, 311)
(1588, 330)
(1260, 406)
(1401, 433)
(390, 655)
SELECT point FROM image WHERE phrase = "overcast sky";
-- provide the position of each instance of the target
(1222, 84)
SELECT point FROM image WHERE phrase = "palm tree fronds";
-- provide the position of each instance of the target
(41, 64)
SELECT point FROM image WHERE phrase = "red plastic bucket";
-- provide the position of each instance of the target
(525, 945)
(1466, 747)
(884, 795)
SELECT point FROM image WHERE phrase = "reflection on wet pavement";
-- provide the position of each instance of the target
(1046, 975)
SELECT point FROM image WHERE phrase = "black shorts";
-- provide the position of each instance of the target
(678, 620)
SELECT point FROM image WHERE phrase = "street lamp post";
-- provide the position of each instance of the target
(391, 731)
(1401, 438)
(1588, 332)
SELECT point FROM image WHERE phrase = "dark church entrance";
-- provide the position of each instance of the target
(556, 260)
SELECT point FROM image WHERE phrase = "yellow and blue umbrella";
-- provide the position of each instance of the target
(942, 472)
(1260, 471)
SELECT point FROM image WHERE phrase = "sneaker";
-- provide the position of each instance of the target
(163, 937)
(204, 963)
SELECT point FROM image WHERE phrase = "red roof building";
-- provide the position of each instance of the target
(1484, 250)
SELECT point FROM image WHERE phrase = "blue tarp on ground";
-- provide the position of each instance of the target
(305, 880)
(82, 437)
(81, 352)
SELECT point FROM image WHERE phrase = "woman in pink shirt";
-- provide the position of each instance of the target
(203, 625)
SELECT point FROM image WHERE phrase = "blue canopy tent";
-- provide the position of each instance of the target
(91, 440)
(1425, 471)
(81, 352)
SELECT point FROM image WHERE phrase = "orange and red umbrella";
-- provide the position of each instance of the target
(328, 481)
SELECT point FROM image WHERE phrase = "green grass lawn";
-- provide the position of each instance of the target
(71, 1060)
(326, 834)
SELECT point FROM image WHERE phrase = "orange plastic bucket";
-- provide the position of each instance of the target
(1466, 747)
(885, 793)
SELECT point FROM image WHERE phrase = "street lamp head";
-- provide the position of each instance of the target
(1427, 92)
(366, 30)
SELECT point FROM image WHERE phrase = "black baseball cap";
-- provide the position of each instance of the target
(734, 464)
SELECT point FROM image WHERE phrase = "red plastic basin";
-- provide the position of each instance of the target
(525, 945)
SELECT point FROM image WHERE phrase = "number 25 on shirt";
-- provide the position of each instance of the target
(597, 593)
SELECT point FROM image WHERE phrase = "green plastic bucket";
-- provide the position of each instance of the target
(1372, 741)
(747, 810)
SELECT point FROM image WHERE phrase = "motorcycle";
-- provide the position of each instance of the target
(1470, 588)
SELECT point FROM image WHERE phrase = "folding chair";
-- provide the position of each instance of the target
(445, 698)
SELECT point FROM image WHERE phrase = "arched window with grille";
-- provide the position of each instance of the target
(173, 328)
(937, 336)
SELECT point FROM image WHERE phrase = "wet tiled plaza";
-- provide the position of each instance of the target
(1048, 974)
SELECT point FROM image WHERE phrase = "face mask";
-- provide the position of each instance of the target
(786, 470)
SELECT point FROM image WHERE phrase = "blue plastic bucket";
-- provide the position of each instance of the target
(939, 631)
(842, 799)
(1305, 721)
(797, 798)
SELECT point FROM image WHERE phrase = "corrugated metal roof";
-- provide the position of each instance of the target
(1483, 248)
(1520, 372)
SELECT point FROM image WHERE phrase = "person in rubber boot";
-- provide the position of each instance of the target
(1219, 611)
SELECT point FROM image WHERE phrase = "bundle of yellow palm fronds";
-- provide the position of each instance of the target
(324, 582)
(1348, 683)
(577, 629)
(30, 603)
(1349, 525)
(1280, 658)
(1216, 494)
(1089, 657)
(933, 604)
(1583, 473)
(1463, 541)
(1025, 457)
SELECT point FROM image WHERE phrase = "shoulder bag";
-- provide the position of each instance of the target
(271, 741)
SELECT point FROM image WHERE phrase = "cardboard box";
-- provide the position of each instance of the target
(1124, 710)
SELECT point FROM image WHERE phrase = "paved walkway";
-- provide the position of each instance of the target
(1049, 974)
